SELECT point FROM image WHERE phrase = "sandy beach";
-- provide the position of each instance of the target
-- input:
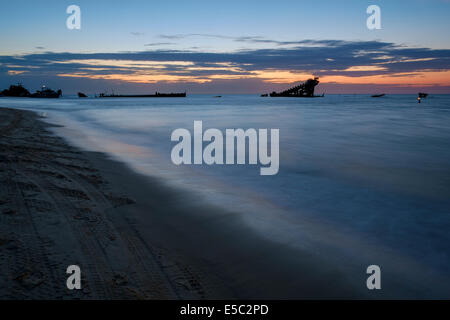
(55, 212)
(133, 237)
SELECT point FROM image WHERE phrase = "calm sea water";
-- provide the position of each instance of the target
(361, 181)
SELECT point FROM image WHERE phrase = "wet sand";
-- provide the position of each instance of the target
(132, 236)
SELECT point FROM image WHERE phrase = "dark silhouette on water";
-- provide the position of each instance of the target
(304, 90)
(15, 91)
(378, 95)
(46, 93)
(81, 95)
(156, 95)
(423, 95)
(20, 91)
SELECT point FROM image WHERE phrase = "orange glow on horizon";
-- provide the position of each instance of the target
(153, 72)
(422, 78)
(136, 78)
(127, 63)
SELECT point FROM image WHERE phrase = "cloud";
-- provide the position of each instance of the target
(335, 61)
(251, 39)
(208, 35)
(137, 34)
(172, 37)
(159, 44)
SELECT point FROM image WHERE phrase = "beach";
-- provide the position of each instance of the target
(132, 237)
(56, 211)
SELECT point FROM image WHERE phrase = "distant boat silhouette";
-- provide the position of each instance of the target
(19, 91)
(15, 91)
(265, 95)
(81, 95)
(156, 95)
(423, 95)
(304, 90)
(46, 93)
(378, 95)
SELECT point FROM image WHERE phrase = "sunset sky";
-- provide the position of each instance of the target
(226, 46)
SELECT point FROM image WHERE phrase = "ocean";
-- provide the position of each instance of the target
(361, 180)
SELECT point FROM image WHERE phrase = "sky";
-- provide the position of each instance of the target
(226, 46)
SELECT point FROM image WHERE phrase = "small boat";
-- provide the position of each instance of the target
(46, 93)
(378, 95)
(265, 95)
(218, 97)
(423, 95)
(81, 95)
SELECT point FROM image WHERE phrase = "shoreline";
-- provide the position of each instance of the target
(133, 236)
